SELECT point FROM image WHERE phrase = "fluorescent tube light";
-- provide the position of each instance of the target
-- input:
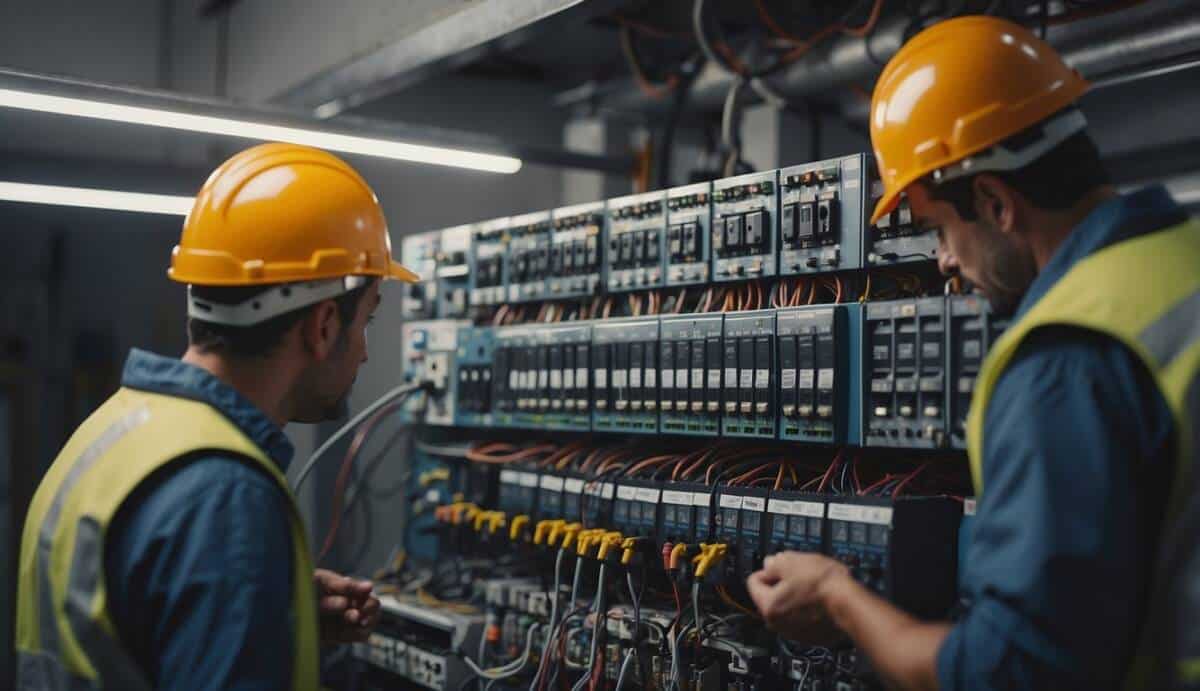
(96, 199)
(178, 120)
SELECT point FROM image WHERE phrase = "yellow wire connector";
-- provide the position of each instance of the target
(710, 555)
(609, 542)
(517, 526)
(542, 532)
(564, 530)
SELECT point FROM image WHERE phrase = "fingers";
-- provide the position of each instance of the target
(333, 604)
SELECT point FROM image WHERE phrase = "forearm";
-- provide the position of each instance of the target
(902, 649)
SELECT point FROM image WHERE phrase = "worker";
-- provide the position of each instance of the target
(1082, 429)
(164, 548)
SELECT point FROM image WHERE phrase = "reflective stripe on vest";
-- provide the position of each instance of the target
(1144, 293)
(65, 636)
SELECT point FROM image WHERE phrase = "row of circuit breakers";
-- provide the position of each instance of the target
(801, 220)
(892, 373)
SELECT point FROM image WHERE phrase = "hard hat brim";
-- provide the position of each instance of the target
(400, 272)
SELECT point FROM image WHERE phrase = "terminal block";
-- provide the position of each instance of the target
(689, 223)
(905, 373)
(821, 217)
(528, 259)
(817, 385)
(637, 226)
(576, 248)
(749, 364)
(745, 220)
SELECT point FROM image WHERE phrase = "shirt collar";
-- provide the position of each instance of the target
(150, 372)
(1120, 218)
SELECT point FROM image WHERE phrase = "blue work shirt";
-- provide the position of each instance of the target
(1077, 467)
(198, 560)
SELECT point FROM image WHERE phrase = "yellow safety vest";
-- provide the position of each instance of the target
(65, 633)
(1145, 293)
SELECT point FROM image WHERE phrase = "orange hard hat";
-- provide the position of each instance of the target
(281, 213)
(959, 88)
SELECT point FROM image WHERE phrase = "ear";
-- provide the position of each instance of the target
(320, 329)
(995, 202)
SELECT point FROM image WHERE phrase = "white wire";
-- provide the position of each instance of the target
(625, 666)
(383, 400)
(510, 669)
(553, 629)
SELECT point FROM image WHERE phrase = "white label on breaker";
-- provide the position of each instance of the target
(607, 490)
(714, 379)
(635, 378)
(731, 375)
(556, 379)
(529, 480)
(697, 378)
(668, 379)
(753, 503)
(573, 485)
(730, 501)
(620, 378)
(601, 378)
(581, 377)
(514, 379)
(552, 483)
(672, 496)
(509, 477)
(626, 492)
(787, 378)
(762, 378)
(651, 378)
(746, 380)
(647, 494)
(784, 507)
(806, 378)
(543, 378)
(681, 378)
(825, 378)
(876, 515)
(568, 377)
(701, 498)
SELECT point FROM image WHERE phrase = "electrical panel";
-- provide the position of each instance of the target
(905, 373)
(973, 330)
(690, 360)
(528, 259)
(895, 239)
(419, 253)
(795, 522)
(488, 275)
(454, 272)
(428, 356)
(636, 229)
(476, 355)
(576, 247)
(748, 360)
(745, 225)
(821, 217)
(904, 548)
(689, 222)
(625, 375)
(817, 382)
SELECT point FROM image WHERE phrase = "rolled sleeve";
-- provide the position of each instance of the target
(1055, 572)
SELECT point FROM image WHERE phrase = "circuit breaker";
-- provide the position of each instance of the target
(745, 220)
(905, 373)
(795, 522)
(973, 330)
(473, 376)
(904, 548)
(625, 375)
(528, 258)
(636, 259)
(818, 387)
(895, 239)
(740, 521)
(821, 217)
(428, 357)
(576, 249)
(562, 379)
(488, 251)
(690, 368)
(748, 359)
(453, 272)
(689, 222)
(419, 253)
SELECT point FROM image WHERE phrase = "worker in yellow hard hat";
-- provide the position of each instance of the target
(1083, 560)
(164, 548)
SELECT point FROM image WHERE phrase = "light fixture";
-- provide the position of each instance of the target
(95, 199)
(246, 129)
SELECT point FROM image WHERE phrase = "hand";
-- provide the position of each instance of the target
(788, 593)
(348, 611)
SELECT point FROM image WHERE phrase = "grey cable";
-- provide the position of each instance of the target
(398, 392)
(622, 675)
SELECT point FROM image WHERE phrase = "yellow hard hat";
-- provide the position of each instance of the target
(958, 88)
(283, 213)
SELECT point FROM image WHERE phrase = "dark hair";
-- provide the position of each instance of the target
(1056, 180)
(257, 340)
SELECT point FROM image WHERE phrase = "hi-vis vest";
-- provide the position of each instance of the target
(65, 634)
(1145, 293)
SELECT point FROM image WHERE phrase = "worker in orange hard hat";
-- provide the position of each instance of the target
(1082, 563)
(164, 547)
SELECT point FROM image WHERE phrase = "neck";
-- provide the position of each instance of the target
(260, 382)
(1054, 226)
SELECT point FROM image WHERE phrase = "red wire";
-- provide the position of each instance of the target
(912, 475)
